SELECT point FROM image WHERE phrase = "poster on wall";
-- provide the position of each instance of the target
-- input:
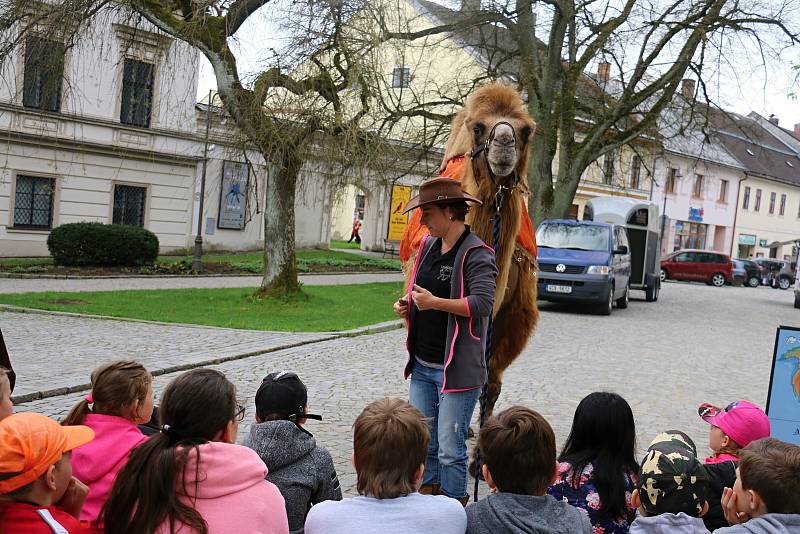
(783, 399)
(233, 195)
(401, 194)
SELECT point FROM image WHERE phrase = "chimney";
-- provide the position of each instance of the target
(687, 88)
(471, 5)
(797, 129)
(603, 71)
(773, 119)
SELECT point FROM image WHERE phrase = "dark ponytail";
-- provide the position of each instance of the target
(195, 408)
(115, 386)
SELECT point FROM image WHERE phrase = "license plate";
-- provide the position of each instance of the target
(558, 289)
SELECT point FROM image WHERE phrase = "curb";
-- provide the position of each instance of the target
(24, 276)
(39, 395)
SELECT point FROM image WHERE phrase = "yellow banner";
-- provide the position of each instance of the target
(401, 194)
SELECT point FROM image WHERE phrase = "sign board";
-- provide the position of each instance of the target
(783, 399)
(696, 214)
(233, 195)
(762, 242)
(747, 240)
(401, 194)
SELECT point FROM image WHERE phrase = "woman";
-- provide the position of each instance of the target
(192, 477)
(447, 310)
(597, 468)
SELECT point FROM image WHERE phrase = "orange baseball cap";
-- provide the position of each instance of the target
(30, 443)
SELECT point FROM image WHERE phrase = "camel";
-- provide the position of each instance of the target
(488, 149)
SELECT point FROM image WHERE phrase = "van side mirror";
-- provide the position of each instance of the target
(622, 249)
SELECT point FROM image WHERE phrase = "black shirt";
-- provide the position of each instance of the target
(434, 274)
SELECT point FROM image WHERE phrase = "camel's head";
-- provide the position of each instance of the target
(497, 119)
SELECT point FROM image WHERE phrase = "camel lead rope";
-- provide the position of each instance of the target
(485, 390)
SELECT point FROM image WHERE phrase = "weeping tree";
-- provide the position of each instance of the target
(310, 96)
(598, 74)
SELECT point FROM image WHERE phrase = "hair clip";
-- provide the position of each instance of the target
(165, 429)
(89, 398)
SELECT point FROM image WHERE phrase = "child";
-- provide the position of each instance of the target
(766, 495)
(191, 476)
(6, 406)
(518, 449)
(301, 469)
(121, 398)
(38, 494)
(671, 491)
(390, 444)
(597, 467)
(731, 429)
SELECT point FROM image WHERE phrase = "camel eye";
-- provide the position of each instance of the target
(479, 128)
(526, 133)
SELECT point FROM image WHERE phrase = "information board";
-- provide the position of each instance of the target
(401, 194)
(783, 401)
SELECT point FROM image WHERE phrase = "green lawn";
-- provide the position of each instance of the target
(308, 260)
(317, 309)
(344, 244)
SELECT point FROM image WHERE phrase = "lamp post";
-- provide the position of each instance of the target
(197, 264)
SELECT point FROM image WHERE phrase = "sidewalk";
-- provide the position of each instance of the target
(38, 285)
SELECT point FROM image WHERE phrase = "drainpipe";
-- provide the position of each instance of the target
(736, 213)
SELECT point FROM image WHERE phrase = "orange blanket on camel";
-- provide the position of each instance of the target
(415, 231)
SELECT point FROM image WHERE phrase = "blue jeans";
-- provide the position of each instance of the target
(449, 415)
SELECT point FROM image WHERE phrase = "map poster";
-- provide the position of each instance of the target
(233, 195)
(401, 194)
(783, 400)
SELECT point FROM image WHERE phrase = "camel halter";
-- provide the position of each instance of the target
(499, 198)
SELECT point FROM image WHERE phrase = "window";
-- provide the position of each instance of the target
(361, 202)
(401, 77)
(758, 200)
(723, 190)
(772, 202)
(672, 176)
(746, 201)
(608, 168)
(573, 212)
(137, 93)
(636, 172)
(782, 210)
(697, 192)
(44, 70)
(33, 202)
(129, 203)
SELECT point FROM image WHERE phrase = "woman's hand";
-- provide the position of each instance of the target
(732, 515)
(423, 299)
(401, 308)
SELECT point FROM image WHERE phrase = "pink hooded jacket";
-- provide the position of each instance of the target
(97, 463)
(232, 495)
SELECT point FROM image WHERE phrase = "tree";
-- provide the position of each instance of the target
(312, 96)
(546, 47)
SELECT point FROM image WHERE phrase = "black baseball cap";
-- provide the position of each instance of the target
(283, 393)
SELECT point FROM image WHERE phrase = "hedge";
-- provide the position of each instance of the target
(101, 245)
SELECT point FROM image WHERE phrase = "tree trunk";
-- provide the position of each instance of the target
(280, 267)
(540, 181)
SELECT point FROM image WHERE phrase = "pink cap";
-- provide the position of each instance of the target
(742, 421)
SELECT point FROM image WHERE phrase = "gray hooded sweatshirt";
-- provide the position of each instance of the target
(766, 524)
(509, 513)
(668, 524)
(303, 471)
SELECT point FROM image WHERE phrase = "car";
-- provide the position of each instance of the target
(752, 271)
(780, 269)
(583, 261)
(713, 268)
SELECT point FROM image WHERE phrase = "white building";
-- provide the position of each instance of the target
(108, 130)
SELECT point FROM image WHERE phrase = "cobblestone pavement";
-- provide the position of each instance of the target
(697, 344)
(27, 285)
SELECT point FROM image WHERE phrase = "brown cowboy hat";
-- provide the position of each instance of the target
(439, 191)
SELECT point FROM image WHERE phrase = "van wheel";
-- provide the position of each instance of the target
(753, 281)
(797, 301)
(663, 276)
(784, 283)
(605, 308)
(623, 301)
(718, 280)
(651, 293)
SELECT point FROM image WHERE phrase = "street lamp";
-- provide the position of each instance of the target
(197, 264)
